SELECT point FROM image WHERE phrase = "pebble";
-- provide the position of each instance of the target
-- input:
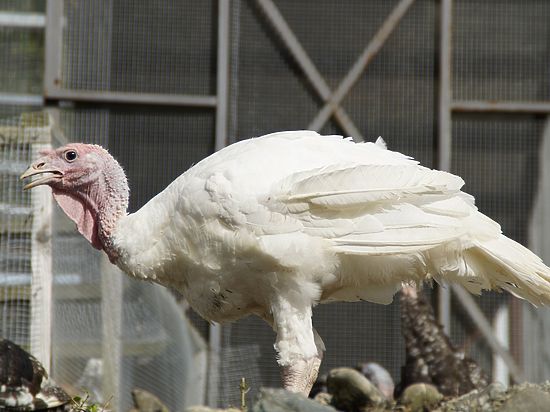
(352, 391)
(421, 397)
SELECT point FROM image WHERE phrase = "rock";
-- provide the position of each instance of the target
(488, 399)
(147, 402)
(351, 391)
(421, 397)
(379, 377)
(323, 398)
(280, 400)
(529, 399)
(207, 409)
(494, 390)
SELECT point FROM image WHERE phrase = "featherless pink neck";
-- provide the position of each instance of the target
(112, 205)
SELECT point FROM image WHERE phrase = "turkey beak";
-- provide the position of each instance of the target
(39, 168)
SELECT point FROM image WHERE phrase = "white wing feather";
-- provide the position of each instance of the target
(349, 221)
(275, 225)
(397, 210)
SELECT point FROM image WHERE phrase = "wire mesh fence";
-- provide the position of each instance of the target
(21, 59)
(137, 46)
(158, 350)
(395, 99)
(15, 236)
(499, 52)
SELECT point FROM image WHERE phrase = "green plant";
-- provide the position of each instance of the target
(81, 404)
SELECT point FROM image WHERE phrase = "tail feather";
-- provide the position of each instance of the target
(505, 264)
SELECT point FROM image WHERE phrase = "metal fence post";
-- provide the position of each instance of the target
(444, 137)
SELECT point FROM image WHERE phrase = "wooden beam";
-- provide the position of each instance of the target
(41, 264)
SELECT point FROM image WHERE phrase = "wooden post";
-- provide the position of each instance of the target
(111, 312)
(41, 280)
(41, 249)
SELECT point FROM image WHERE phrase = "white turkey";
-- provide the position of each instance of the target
(274, 225)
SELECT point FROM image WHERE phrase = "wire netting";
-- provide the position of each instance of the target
(500, 51)
(393, 98)
(30, 6)
(164, 142)
(142, 47)
(504, 150)
(17, 234)
(398, 84)
(158, 346)
(396, 96)
(21, 60)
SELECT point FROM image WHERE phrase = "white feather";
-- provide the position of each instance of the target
(381, 142)
(274, 225)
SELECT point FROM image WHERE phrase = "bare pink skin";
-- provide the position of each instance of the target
(91, 189)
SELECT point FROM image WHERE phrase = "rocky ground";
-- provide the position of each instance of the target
(352, 392)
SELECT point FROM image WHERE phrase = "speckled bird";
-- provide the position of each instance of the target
(430, 356)
(24, 383)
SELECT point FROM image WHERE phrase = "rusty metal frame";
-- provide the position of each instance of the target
(446, 107)
(332, 99)
(23, 21)
(480, 320)
(53, 78)
(492, 106)
(308, 67)
(222, 82)
(444, 135)
(372, 49)
(212, 373)
(332, 106)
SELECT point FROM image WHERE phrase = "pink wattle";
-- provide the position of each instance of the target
(80, 213)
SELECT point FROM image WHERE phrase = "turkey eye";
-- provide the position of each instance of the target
(70, 155)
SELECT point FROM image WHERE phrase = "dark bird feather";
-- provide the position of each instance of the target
(430, 355)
